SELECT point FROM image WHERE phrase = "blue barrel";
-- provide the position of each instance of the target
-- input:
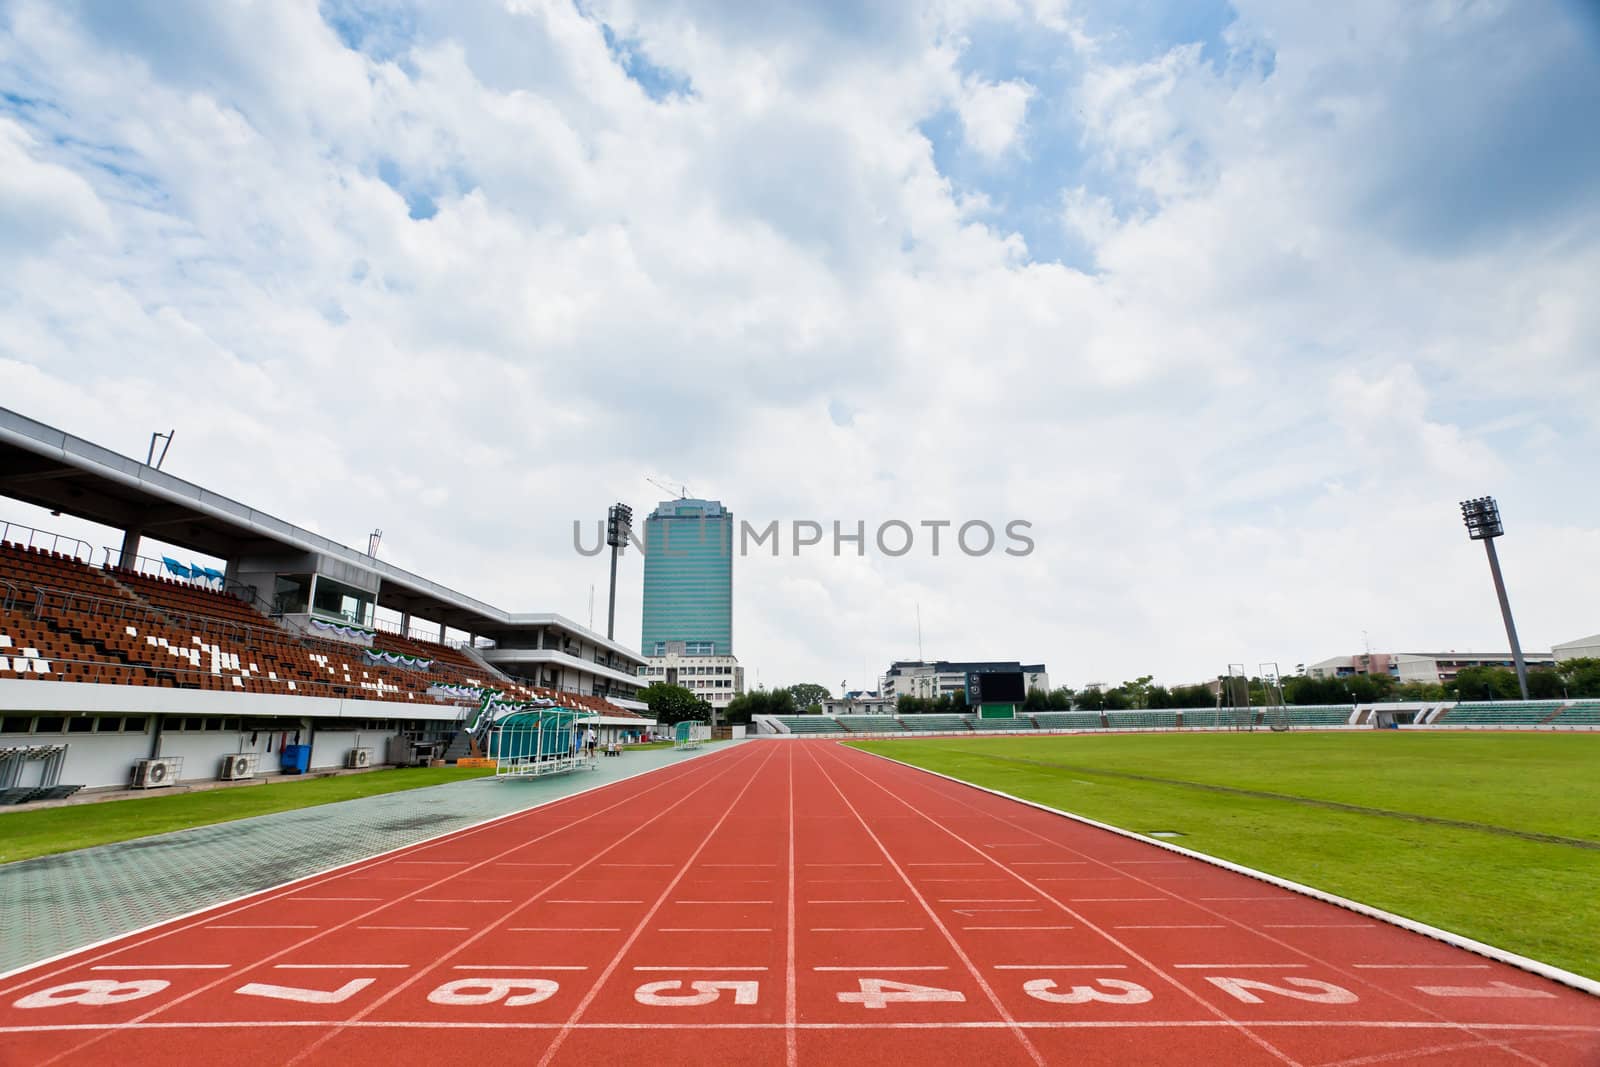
(295, 759)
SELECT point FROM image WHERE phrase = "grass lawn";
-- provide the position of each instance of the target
(1526, 895)
(25, 834)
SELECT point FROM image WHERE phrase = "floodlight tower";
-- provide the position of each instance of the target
(1482, 516)
(619, 526)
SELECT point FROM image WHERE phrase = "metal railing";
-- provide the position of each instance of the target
(57, 542)
(111, 672)
(151, 567)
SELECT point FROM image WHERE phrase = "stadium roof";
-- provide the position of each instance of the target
(47, 467)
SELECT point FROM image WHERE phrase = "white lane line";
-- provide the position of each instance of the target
(634, 865)
(1051, 863)
(1173, 926)
(883, 901)
(1061, 966)
(696, 967)
(844, 865)
(855, 881)
(890, 967)
(594, 902)
(933, 917)
(1016, 928)
(520, 863)
(714, 929)
(964, 881)
(459, 900)
(791, 1012)
(556, 1043)
(451, 929)
(988, 900)
(349, 900)
(163, 967)
(517, 967)
(736, 865)
(722, 902)
(340, 966)
(1235, 966)
(260, 926)
(867, 929)
(1296, 900)
(1421, 966)
(958, 863)
(1318, 926)
(565, 929)
(1124, 863)
(1116, 900)
(1556, 1029)
(431, 863)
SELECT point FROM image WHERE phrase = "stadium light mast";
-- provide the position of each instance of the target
(619, 526)
(1482, 516)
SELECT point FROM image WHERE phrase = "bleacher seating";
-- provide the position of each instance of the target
(1067, 720)
(811, 724)
(1581, 713)
(1207, 717)
(178, 599)
(1316, 715)
(1019, 722)
(860, 724)
(1499, 713)
(1142, 719)
(936, 723)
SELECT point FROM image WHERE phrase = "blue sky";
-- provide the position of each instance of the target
(1233, 302)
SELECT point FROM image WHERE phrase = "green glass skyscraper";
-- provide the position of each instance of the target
(688, 578)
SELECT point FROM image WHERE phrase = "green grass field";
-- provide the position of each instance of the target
(25, 834)
(1364, 815)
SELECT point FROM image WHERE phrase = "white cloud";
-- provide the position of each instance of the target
(1235, 438)
(993, 114)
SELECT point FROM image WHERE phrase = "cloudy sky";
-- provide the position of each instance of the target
(1231, 302)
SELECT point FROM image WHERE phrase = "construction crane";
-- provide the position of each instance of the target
(682, 491)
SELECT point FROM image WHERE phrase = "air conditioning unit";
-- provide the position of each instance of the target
(238, 766)
(154, 773)
(358, 757)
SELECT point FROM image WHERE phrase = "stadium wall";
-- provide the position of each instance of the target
(104, 757)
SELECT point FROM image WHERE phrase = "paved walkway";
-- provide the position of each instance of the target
(56, 903)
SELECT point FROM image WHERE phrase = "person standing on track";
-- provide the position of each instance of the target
(590, 739)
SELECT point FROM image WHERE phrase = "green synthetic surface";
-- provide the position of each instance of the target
(25, 834)
(1370, 815)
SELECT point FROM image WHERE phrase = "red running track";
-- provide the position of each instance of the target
(786, 902)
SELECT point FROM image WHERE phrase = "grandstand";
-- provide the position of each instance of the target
(1579, 713)
(938, 723)
(1142, 720)
(150, 660)
(1067, 720)
(1506, 713)
(1000, 725)
(809, 724)
(1316, 715)
(869, 723)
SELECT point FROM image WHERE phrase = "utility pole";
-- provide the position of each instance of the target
(1482, 516)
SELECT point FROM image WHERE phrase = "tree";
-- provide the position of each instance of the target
(1061, 699)
(808, 696)
(1091, 698)
(1483, 683)
(1137, 692)
(760, 702)
(1192, 696)
(1580, 676)
(670, 704)
(1036, 700)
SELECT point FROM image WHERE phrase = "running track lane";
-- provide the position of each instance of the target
(792, 902)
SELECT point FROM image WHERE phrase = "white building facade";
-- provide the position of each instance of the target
(714, 679)
(931, 679)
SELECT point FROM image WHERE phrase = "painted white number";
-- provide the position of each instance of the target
(1124, 992)
(306, 996)
(660, 993)
(1310, 990)
(490, 990)
(96, 992)
(881, 992)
